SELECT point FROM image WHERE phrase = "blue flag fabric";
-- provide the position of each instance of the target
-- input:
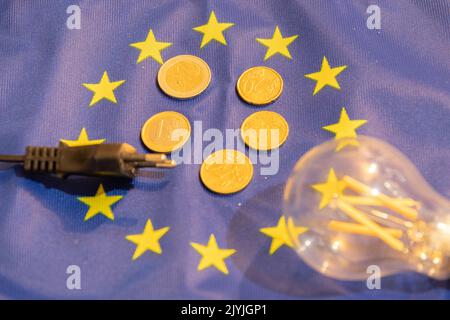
(397, 78)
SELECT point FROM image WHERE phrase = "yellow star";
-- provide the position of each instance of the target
(103, 90)
(83, 140)
(330, 189)
(345, 129)
(282, 234)
(326, 76)
(213, 30)
(148, 240)
(150, 47)
(295, 231)
(212, 255)
(277, 44)
(100, 203)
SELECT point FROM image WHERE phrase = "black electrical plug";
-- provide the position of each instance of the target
(119, 160)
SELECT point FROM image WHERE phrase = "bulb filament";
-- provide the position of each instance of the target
(369, 221)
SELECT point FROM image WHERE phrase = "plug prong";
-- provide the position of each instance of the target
(155, 157)
(151, 157)
(166, 164)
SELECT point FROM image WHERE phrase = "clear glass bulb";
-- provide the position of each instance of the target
(383, 212)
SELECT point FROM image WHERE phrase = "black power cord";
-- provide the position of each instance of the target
(108, 159)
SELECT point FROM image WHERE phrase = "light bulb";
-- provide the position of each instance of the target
(366, 205)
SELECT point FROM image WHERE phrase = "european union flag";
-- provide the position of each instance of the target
(85, 73)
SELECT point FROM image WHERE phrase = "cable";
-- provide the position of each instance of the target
(11, 158)
(119, 160)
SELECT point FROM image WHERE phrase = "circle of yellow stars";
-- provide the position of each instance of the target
(285, 232)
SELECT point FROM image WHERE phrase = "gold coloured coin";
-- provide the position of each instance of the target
(259, 85)
(166, 131)
(226, 171)
(264, 130)
(184, 76)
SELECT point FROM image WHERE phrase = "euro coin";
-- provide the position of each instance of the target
(259, 85)
(264, 130)
(226, 171)
(166, 131)
(184, 76)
